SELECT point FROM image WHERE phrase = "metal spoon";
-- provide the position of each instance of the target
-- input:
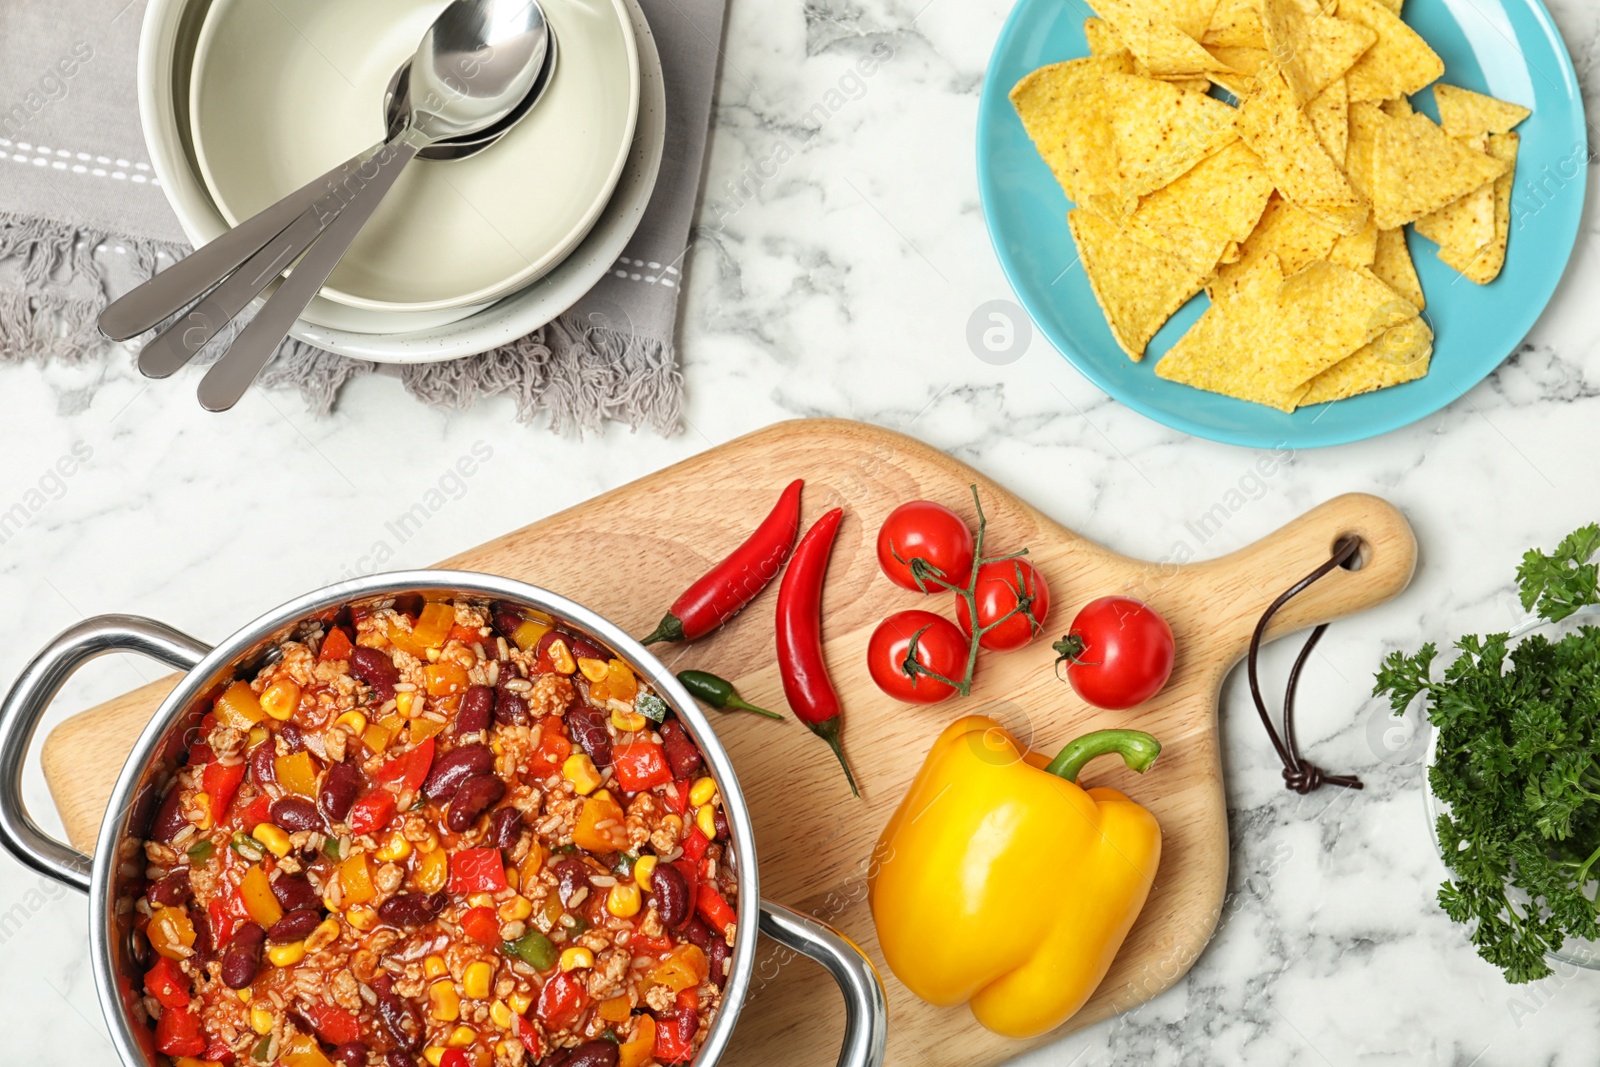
(397, 108)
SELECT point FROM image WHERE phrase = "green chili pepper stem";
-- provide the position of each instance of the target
(670, 628)
(1137, 749)
(828, 730)
(719, 693)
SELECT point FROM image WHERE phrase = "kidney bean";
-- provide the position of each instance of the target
(670, 894)
(582, 647)
(169, 817)
(353, 1054)
(697, 933)
(205, 946)
(719, 955)
(171, 890)
(505, 826)
(292, 736)
(295, 925)
(505, 618)
(476, 796)
(261, 757)
(509, 708)
(339, 790)
(376, 669)
(477, 710)
(242, 958)
(587, 725)
(296, 813)
(294, 892)
(412, 909)
(399, 1021)
(395, 1058)
(683, 755)
(558, 1058)
(719, 823)
(455, 767)
(597, 1053)
(571, 877)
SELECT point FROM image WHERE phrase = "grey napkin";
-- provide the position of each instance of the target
(82, 219)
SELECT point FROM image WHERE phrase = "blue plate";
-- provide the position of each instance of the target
(1506, 48)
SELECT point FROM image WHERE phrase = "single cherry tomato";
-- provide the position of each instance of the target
(1002, 586)
(931, 531)
(1118, 654)
(940, 648)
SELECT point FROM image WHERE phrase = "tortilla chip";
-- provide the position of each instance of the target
(1312, 51)
(1326, 312)
(1160, 132)
(1400, 355)
(1103, 40)
(1356, 250)
(1330, 117)
(1399, 62)
(1219, 200)
(1484, 265)
(1392, 264)
(1242, 68)
(1398, 107)
(1190, 16)
(1061, 108)
(1282, 135)
(1464, 113)
(1160, 46)
(1236, 24)
(1137, 287)
(1417, 169)
(1295, 238)
(1467, 224)
(1393, 5)
(1361, 150)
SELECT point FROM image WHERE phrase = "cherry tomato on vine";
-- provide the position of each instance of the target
(999, 592)
(932, 531)
(1118, 654)
(941, 648)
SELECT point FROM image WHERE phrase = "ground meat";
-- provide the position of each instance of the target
(552, 694)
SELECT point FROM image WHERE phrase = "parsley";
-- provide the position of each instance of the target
(1518, 764)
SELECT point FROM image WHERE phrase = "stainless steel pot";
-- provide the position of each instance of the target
(108, 877)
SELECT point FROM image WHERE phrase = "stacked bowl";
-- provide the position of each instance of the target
(243, 103)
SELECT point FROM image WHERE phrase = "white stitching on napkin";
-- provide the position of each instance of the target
(62, 159)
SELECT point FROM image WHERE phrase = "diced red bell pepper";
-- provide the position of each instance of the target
(225, 913)
(257, 812)
(336, 645)
(373, 811)
(554, 748)
(333, 1024)
(467, 635)
(689, 998)
(217, 1051)
(677, 797)
(640, 766)
(200, 753)
(715, 910)
(167, 983)
(481, 925)
(561, 1001)
(477, 870)
(675, 1032)
(454, 1057)
(695, 845)
(409, 768)
(528, 1034)
(178, 1033)
(221, 782)
(690, 869)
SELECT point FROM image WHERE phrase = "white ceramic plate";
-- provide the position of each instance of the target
(169, 31)
(283, 91)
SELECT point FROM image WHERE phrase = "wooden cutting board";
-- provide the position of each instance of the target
(628, 554)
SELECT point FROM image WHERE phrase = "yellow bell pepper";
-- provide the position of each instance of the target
(1001, 884)
(296, 773)
(255, 888)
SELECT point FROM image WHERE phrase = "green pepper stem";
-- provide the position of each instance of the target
(828, 730)
(743, 705)
(670, 628)
(1137, 749)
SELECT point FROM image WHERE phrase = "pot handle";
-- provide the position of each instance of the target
(35, 688)
(866, 1014)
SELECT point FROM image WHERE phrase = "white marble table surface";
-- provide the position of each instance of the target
(840, 281)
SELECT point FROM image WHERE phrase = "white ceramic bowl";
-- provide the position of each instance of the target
(171, 30)
(284, 91)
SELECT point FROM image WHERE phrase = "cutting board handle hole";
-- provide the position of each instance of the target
(1363, 555)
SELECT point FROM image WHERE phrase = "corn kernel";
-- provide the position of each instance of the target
(706, 819)
(281, 698)
(326, 933)
(434, 871)
(481, 900)
(517, 908)
(702, 791)
(203, 802)
(561, 657)
(361, 917)
(429, 843)
(445, 1005)
(286, 955)
(673, 823)
(593, 669)
(628, 720)
(434, 966)
(643, 868)
(244, 995)
(353, 721)
(576, 958)
(580, 770)
(261, 1019)
(476, 979)
(273, 838)
(434, 1054)
(396, 848)
(461, 1037)
(513, 876)
(403, 702)
(623, 900)
(519, 1003)
(500, 1014)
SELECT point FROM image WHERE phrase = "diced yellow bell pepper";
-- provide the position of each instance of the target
(376, 737)
(600, 825)
(445, 678)
(616, 1010)
(433, 626)
(355, 878)
(259, 902)
(296, 773)
(641, 1049)
(171, 933)
(433, 871)
(239, 707)
(302, 1050)
(684, 968)
(528, 633)
(422, 729)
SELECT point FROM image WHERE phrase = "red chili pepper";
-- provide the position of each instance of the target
(167, 983)
(800, 660)
(561, 1001)
(221, 781)
(410, 768)
(178, 1033)
(713, 908)
(734, 582)
(481, 925)
(334, 1025)
(640, 766)
(335, 646)
(372, 812)
(477, 870)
